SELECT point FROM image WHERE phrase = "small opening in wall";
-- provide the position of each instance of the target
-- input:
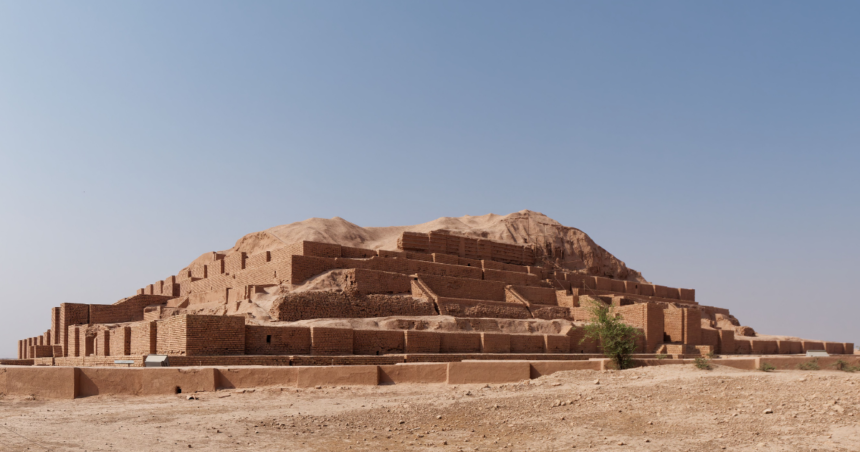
(269, 339)
(178, 390)
(377, 352)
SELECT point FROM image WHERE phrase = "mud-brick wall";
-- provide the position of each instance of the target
(234, 262)
(711, 338)
(414, 241)
(461, 307)
(422, 341)
(579, 343)
(144, 338)
(171, 336)
(357, 253)
(727, 341)
(550, 312)
(495, 343)
(517, 278)
(102, 343)
(492, 265)
(303, 267)
(86, 341)
(316, 249)
(377, 342)
(129, 310)
(682, 325)
(42, 351)
(201, 335)
(650, 317)
(432, 268)
(72, 314)
(527, 343)
(215, 335)
(460, 343)
(120, 341)
(277, 340)
(56, 331)
(538, 295)
(323, 305)
(474, 289)
(377, 282)
(74, 348)
(556, 343)
(331, 341)
(258, 259)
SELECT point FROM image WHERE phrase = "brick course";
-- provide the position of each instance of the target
(349, 304)
(277, 340)
(474, 289)
(495, 343)
(378, 342)
(102, 343)
(450, 342)
(120, 341)
(422, 341)
(527, 343)
(72, 314)
(128, 310)
(195, 335)
(461, 307)
(556, 343)
(144, 336)
(331, 341)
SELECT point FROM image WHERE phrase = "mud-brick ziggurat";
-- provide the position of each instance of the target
(504, 300)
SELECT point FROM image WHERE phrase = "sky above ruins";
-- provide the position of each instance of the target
(711, 145)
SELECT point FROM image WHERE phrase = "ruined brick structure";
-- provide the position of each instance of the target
(484, 285)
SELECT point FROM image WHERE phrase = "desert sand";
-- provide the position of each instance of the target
(644, 409)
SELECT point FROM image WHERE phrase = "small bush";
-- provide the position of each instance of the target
(662, 356)
(809, 365)
(703, 363)
(616, 338)
(766, 367)
(845, 366)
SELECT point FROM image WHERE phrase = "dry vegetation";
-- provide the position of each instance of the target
(665, 408)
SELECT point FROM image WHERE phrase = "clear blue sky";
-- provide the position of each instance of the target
(711, 145)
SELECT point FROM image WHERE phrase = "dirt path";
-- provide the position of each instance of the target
(666, 408)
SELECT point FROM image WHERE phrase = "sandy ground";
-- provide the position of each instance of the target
(665, 408)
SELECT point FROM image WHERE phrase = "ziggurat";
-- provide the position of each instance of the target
(440, 296)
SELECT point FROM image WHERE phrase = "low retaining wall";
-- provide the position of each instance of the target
(74, 382)
(153, 381)
(413, 373)
(792, 362)
(488, 372)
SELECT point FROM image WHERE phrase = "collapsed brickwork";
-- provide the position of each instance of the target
(479, 281)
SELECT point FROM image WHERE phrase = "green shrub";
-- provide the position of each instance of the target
(662, 356)
(617, 339)
(809, 365)
(703, 363)
(766, 367)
